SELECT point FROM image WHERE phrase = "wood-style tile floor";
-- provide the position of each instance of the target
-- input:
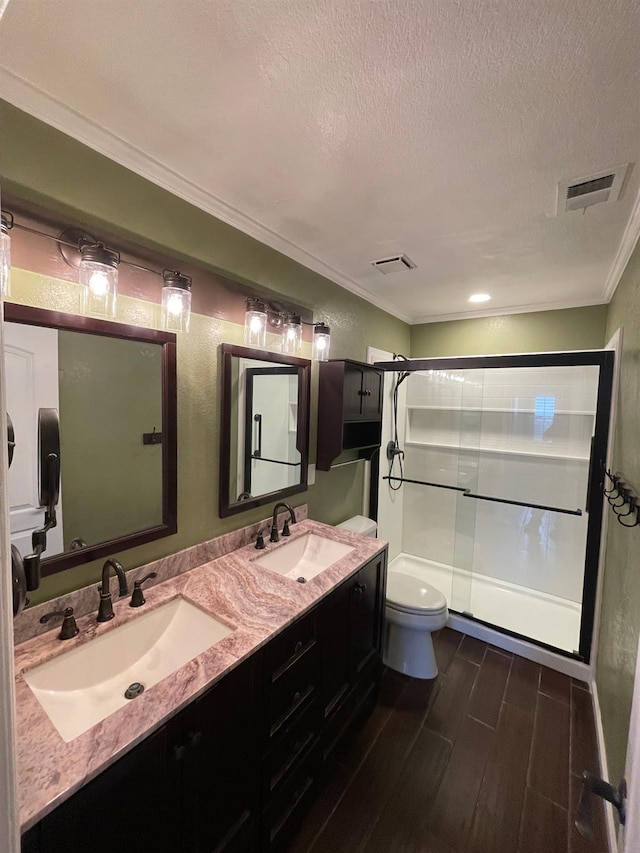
(484, 759)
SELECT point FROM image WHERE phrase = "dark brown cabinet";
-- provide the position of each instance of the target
(349, 410)
(235, 771)
(191, 786)
(351, 636)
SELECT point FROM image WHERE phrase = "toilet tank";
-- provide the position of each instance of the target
(360, 524)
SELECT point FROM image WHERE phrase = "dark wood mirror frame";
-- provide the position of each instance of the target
(228, 352)
(15, 313)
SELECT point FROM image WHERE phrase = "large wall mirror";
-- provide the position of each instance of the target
(115, 389)
(264, 444)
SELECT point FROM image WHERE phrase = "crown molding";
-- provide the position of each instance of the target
(625, 250)
(516, 309)
(39, 104)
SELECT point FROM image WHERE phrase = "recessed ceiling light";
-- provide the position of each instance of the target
(479, 297)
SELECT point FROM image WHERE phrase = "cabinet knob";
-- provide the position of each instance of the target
(360, 588)
(194, 738)
(296, 696)
(179, 752)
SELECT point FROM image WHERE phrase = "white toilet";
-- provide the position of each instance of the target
(414, 610)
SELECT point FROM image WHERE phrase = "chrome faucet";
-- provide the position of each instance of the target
(105, 610)
(273, 537)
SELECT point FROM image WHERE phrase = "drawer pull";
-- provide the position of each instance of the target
(296, 696)
(194, 738)
(179, 752)
(297, 648)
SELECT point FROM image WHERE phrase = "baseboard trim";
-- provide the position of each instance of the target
(602, 752)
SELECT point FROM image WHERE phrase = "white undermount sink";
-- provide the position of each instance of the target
(86, 684)
(304, 557)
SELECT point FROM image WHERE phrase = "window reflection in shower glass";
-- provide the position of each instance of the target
(544, 411)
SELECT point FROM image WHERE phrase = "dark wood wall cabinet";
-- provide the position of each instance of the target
(236, 770)
(349, 410)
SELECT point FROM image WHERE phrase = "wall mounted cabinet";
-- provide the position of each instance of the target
(349, 410)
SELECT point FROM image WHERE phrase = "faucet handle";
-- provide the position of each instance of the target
(260, 546)
(68, 628)
(273, 536)
(137, 598)
(285, 528)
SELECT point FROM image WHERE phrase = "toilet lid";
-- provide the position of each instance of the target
(410, 593)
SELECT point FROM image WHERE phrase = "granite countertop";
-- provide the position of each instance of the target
(256, 602)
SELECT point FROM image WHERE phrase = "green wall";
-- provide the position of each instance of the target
(44, 166)
(538, 331)
(110, 394)
(620, 613)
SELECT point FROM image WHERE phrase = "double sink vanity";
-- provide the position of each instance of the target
(199, 719)
(243, 673)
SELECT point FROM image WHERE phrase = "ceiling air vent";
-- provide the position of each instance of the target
(599, 188)
(397, 263)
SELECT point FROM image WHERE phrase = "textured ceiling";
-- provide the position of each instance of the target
(341, 131)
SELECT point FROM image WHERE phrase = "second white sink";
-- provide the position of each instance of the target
(304, 557)
(86, 684)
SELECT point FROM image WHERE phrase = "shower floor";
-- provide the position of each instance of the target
(542, 617)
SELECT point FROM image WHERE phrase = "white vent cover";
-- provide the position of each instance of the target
(599, 188)
(397, 263)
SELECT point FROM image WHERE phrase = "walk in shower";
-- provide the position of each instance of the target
(490, 487)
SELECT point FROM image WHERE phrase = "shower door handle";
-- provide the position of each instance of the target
(590, 483)
(257, 453)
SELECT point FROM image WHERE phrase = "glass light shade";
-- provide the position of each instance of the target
(255, 324)
(176, 302)
(321, 342)
(98, 278)
(291, 334)
(5, 259)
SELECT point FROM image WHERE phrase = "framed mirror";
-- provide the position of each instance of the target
(115, 389)
(264, 447)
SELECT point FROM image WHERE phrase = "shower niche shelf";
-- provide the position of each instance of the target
(561, 435)
(500, 451)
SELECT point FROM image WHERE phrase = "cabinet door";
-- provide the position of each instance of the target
(133, 806)
(365, 614)
(353, 392)
(334, 632)
(222, 763)
(372, 395)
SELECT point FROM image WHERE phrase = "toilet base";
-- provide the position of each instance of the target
(409, 651)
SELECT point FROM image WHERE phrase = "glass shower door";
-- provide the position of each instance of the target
(527, 501)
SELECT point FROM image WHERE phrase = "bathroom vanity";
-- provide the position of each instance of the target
(226, 753)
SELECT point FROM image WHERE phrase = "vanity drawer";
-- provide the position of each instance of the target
(292, 743)
(295, 687)
(293, 643)
(290, 803)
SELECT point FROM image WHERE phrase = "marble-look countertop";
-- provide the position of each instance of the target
(256, 602)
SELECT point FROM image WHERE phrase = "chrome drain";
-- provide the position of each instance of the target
(301, 580)
(134, 690)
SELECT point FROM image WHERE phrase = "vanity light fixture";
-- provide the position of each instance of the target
(479, 297)
(98, 278)
(291, 334)
(176, 301)
(255, 323)
(321, 341)
(6, 224)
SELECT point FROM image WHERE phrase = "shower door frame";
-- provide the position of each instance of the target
(604, 360)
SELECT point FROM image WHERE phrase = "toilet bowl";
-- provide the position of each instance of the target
(413, 611)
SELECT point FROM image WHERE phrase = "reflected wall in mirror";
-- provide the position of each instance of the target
(265, 427)
(113, 385)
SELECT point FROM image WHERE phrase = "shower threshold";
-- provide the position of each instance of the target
(544, 618)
